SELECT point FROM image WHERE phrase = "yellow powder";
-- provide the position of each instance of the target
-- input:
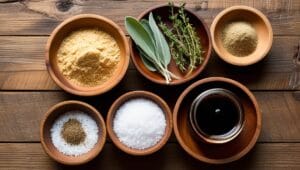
(88, 57)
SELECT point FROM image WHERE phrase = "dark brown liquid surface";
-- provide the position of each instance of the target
(217, 115)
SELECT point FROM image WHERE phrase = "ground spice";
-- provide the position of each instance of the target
(239, 38)
(89, 126)
(88, 57)
(73, 132)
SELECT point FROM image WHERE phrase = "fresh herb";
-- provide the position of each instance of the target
(152, 45)
(183, 40)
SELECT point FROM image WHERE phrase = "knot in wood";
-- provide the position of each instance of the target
(64, 5)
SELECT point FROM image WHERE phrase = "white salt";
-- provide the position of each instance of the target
(139, 123)
(89, 126)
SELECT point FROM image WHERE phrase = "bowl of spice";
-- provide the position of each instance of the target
(170, 44)
(139, 123)
(241, 35)
(87, 55)
(72, 132)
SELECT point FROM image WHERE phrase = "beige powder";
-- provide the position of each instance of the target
(239, 38)
(88, 57)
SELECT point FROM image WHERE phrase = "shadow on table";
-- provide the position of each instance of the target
(170, 157)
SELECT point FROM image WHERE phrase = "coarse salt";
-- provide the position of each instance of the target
(89, 126)
(139, 123)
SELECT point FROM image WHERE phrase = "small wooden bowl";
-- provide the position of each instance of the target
(201, 29)
(75, 23)
(52, 114)
(132, 95)
(260, 23)
(217, 153)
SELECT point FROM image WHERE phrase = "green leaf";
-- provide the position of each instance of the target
(162, 47)
(148, 64)
(140, 36)
(146, 25)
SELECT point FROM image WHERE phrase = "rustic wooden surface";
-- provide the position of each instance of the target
(27, 91)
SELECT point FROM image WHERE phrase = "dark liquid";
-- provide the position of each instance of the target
(217, 115)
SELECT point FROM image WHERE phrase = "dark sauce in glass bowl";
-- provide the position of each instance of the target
(216, 115)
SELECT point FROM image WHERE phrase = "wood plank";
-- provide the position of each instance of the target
(24, 68)
(264, 156)
(27, 53)
(41, 17)
(40, 80)
(21, 112)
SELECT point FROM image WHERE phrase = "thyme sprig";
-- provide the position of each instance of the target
(183, 40)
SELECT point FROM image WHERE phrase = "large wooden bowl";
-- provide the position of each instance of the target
(52, 114)
(75, 23)
(132, 95)
(217, 153)
(260, 23)
(203, 33)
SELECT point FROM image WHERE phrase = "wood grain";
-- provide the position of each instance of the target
(22, 66)
(40, 17)
(21, 112)
(27, 91)
(264, 156)
(26, 53)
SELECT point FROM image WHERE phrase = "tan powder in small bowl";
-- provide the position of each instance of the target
(239, 38)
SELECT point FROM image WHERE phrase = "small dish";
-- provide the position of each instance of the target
(260, 23)
(202, 30)
(132, 95)
(75, 23)
(217, 153)
(49, 118)
(225, 137)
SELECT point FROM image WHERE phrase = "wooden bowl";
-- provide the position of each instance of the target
(132, 95)
(203, 33)
(217, 153)
(75, 23)
(52, 114)
(260, 23)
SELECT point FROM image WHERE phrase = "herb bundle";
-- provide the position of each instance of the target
(152, 45)
(183, 40)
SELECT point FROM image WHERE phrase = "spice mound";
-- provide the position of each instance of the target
(239, 38)
(88, 57)
(74, 133)
(139, 123)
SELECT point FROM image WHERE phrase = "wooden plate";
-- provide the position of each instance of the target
(201, 29)
(48, 121)
(132, 95)
(86, 21)
(217, 153)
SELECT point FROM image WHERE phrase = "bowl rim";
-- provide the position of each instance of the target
(195, 74)
(253, 11)
(95, 91)
(217, 139)
(233, 157)
(139, 94)
(81, 104)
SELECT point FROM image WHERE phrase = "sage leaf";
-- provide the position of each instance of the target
(148, 64)
(162, 47)
(146, 25)
(140, 36)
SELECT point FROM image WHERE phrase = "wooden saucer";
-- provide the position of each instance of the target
(217, 153)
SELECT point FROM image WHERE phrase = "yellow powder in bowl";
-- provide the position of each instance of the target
(88, 57)
(239, 38)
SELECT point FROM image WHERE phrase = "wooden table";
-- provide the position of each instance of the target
(27, 91)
